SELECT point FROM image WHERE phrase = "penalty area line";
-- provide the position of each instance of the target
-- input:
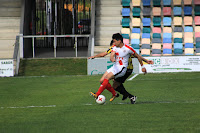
(134, 76)
(47, 106)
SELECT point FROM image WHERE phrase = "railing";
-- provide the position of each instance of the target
(90, 45)
(16, 55)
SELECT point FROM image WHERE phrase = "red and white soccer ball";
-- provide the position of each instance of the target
(101, 99)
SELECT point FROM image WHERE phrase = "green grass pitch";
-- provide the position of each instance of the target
(167, 103)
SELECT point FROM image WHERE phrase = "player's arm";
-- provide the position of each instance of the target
(141, 63)
(98, 55)
(147, 61)
(112, 56)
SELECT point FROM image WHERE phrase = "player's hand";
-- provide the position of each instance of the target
(150, 62)
(144, 70)
(91, 57)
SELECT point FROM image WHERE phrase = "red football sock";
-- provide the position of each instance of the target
(109, 88)
(102, 87)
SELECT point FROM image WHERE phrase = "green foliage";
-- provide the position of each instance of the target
(167, 103)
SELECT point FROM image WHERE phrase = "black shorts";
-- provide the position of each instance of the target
(123, 78)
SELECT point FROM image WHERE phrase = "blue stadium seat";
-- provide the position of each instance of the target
(146, 35)
(188, 29)
(146, 2)
(178, 46)
(125, 2)
(167, 21)
(126, 36)
(135, 41)
(197, 10)
(136, 30)
(167, 40)
(156, 40)
(198, 45)
(166, 2)
(178, 51)
(156, 2)
(125, 12)
(146, 21)
(197, 39)
(167, 51)
(137, 51)
(135, 46)
(187, 10)
(136, 11)
(156, 51)
(198, 51)
(146, 30)
(167, 35)
(177, 11)
(156, 35)
(157, 21)
(178, 29)
(146, 11)
(125, 22)
(146, 46)
(189, 45)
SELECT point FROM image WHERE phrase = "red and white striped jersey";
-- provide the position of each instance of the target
(122, 54)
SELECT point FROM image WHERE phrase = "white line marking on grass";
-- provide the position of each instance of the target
(46, 106)
(133, 77)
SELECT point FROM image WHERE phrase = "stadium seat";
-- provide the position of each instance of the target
(197, 28)
(146, 30)
(178, 34)
(156, 52)
(126, 36)
(189, 45)
(196, 2)
(197, 51)
(188, 40)
(178, 29)
(197, 20)
(135, 36)
(178, 51)
(125, 22)
(146, 11)
(136, 2)
(146, 21)
(187, 20)
(167, 35)
(167, 30)
(167, 51)
(197, 45)
(166, 2)
(137, 51)
(156, 3)
(125, 31)
(125, 2)
(167, 46)
(135, 30)
(126, 41)
(135, 46)
(197, 34)
(136, 11)
(178, 46)
(167, 11)
(178, 40)
(156, 35)
(146, 2)
(125, 12)
(156, 30)
(135, 41)
(167, 40)
(188, 34)
(157, 21)
(197, 10)
(178, 21)
(156, 40)
(145, 52)
(145, 41)
(187, 10)
(188, 29)
(177, 2)
(189, 51)
(167, 21)
(146, 35)
(146, 46)
(156, 46)
(136, 22)
(156, 11)
(187, 2)
(177, 11)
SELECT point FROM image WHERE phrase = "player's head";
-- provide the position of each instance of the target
(117, 39)
(111, 42)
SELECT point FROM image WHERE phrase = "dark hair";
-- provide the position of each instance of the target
(111, 43)
(117, 37)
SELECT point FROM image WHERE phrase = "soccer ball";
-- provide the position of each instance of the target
(101, 99)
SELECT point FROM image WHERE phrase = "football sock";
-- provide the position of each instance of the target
(122, 90)
(109, 88)
(102, 87)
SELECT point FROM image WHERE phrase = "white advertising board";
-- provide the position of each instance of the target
(6, 68)
(173, 64)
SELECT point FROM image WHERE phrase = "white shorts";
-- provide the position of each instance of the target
(117, 70)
